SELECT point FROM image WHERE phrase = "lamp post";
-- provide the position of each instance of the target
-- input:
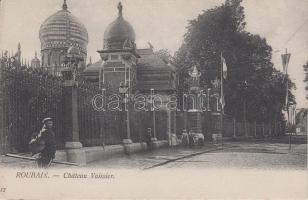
(124, 90)
(153, 115)
(243, 86)
(102, 132)
(103, 89)
(285, 62)
(291, 120)
(244, 110)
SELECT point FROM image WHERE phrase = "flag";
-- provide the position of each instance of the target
(285, 61)
(294, 115)
(287, 96)
(222, 101)
(224, 67)
(223, 76)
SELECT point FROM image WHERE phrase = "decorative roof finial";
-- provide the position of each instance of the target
(19, 46)
(35, 54)
(150, 45)
(120, 8)
(195, 73)
(64, 6)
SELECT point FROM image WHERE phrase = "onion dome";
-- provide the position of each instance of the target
(62, 30)
(119, 34)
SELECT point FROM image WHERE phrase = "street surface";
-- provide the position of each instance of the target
(248, 154)
(273, 154)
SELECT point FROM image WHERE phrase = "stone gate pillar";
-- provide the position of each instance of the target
(194, 108)
(216, 125)
(74, 150)
(171, 127)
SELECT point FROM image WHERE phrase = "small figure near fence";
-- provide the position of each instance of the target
(148, 139)
(199, 138)
(184, 138)
(191, 139)
(44, 144)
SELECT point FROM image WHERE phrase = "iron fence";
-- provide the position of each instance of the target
(29, 95)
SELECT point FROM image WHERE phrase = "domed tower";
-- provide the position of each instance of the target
(119, 54)
(59, 32)
(119, 34)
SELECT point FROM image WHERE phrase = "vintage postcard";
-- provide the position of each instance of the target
(153, 99)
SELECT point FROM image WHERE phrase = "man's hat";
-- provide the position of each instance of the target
(46, 120)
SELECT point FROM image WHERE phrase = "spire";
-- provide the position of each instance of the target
(64, 6)
(120, 8)
(18, 53)
(35, 54)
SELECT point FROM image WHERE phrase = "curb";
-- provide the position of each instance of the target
(186, 156)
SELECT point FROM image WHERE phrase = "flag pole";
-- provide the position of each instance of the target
(221, 93)
(287, 102)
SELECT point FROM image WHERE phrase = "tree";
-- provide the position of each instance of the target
(221, 31)
(164, 54)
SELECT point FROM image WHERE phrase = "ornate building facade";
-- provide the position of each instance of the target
(139, 70)
(121, 61)
(57, 34)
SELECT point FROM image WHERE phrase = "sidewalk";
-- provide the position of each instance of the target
(139, 160)
(149, 159)
(159, 157)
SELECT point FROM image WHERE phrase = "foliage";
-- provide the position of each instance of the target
(300, 115)
(29, 96)
(164, 54)
(251, 76)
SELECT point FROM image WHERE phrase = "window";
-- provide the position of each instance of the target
(114, 57)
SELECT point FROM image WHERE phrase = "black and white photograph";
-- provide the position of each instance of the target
(153, 99)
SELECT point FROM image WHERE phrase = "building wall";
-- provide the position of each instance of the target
(116, 67)
(53, 59)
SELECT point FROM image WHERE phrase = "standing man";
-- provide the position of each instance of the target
(45, 144)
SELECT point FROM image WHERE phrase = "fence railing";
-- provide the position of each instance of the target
(234, 128)
(31, 94)
(28, 95)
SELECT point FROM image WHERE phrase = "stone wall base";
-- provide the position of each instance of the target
(159, 144)
(75, 153)
(101, 153)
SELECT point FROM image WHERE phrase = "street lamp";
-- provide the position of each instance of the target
(245, 84)
(291, 123)
(124, 90)
(72, 59)
(153, 115)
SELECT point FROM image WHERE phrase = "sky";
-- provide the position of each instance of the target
(163, 23)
